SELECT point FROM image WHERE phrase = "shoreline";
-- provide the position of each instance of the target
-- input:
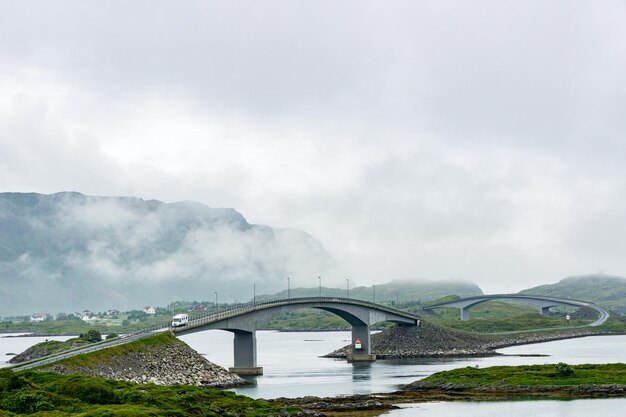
(372, 405)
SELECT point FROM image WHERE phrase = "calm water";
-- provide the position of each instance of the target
(293, 368)
(573, 408)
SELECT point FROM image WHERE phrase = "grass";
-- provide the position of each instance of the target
(109, 354)
(498, 316)
(50, 394)
(72, 327)
(528, 321)
(533, 375)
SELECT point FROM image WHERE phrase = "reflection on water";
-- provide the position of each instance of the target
(361, 371)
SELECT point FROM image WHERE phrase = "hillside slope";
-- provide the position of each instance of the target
(605, 290)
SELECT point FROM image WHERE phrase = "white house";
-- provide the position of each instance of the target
(149, 310)
(38, 317)
(87, 315)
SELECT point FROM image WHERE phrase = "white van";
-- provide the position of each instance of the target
(180, 320)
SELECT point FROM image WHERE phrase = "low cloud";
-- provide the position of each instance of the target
(126, 252)
(479, 141)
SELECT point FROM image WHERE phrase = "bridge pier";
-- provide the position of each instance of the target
(245, 354)
(361, 332)
(465, 313)
(545, 311)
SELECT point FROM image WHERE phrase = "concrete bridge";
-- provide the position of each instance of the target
(246, 320)
(543, 303)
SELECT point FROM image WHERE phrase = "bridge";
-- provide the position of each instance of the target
(544, 303)
(245, 320)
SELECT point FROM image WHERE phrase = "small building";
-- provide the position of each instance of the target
(38, 317)
(113, 312)
(199, 307)
(149, 310)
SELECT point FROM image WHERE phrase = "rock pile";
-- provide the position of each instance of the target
(168, 363)
(430, 340)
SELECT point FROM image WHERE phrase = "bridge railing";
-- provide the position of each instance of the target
(276, 302)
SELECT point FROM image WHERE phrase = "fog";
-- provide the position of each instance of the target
(481, 141)
(76, 252)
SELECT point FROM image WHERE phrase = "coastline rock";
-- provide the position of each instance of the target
(168, 363)
(47, 348)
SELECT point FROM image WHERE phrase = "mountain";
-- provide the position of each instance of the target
(402, 291)
(69, 251)
(605, 290)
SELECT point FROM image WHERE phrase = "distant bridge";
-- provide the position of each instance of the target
(544, 303)
(245, 320)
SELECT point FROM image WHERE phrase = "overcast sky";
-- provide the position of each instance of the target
(474, 140)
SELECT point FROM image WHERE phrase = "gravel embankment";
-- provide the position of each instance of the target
(163, 364)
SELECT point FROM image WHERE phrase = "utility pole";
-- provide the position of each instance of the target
(320, 290)
(348, 286)
(288, 288)
(217, 305)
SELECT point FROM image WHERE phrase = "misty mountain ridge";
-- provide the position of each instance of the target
(68, 251)
(402, 291)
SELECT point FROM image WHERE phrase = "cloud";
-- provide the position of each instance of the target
(126, 252)
(439, 140)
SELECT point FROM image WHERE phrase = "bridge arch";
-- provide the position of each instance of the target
(543, 303)
(245, 321)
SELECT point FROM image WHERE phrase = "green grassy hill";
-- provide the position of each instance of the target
(501, 316)
(605, 290)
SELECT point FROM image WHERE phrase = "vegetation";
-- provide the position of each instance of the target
(109, 354)
(50, 394)
(526, 321)
(313, 319)
(394, 293)
(48, 347)
(605, 290)
(499, 316)
(74, 327)
(560, 374)
(92, 336)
